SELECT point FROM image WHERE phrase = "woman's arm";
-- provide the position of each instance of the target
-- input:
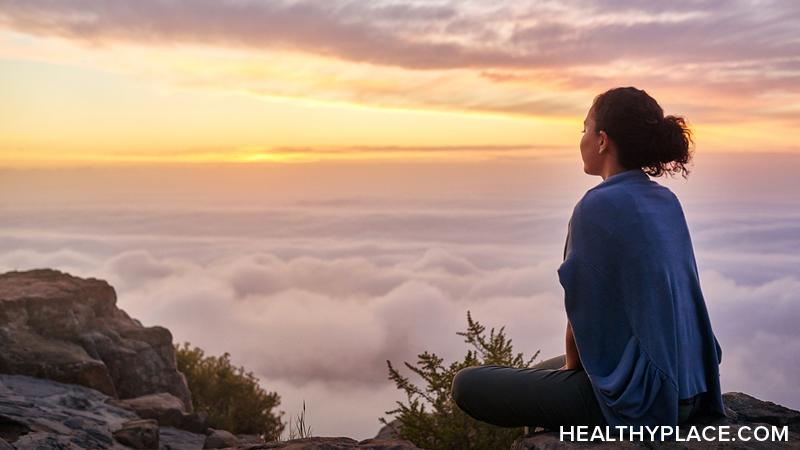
(573, 360)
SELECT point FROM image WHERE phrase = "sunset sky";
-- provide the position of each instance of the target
(209, 80)
(317, 187)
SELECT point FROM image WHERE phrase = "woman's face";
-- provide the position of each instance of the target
(591, 142)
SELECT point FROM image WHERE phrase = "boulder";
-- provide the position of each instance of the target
(57, 326)
(389, 431)
(141, 434)
(163, 407)
(168, 411)
(220, 439)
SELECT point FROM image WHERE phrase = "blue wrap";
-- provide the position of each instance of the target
(632, 295)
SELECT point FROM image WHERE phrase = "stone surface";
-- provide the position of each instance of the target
(141, 434)
(249, 440)
(44, 414)
(65, 328)
(37, 413)
(175, 439)
(389, 431)
(337, 443)
(220, 439)
(743, 411)
(168, 411)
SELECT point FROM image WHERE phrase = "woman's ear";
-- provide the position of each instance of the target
(603, 142)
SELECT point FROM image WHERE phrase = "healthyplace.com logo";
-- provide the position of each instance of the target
(721, 433)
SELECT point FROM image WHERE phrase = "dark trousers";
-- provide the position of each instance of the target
(538, 396)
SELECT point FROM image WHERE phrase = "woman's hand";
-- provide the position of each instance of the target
(573, 360)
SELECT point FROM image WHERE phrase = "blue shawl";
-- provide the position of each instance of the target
(632, 295)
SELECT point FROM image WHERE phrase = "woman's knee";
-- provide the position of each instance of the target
(463, 384)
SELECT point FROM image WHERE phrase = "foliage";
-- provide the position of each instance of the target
(298, 429)
(446, 426)
(231, 396)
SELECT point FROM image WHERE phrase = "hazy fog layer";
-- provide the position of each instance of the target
(314, 275)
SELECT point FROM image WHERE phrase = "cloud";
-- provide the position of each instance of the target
(140, 266)
(447, 35)
(26, 258)
(314, 293)
(332, 28)
(756, 327)
(336, 321)
(722, 62)
(308, 342)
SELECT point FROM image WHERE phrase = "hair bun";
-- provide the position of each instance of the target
(676, 139)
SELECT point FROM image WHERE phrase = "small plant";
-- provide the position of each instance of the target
(231, 396)
(299, 430)
(445, 426)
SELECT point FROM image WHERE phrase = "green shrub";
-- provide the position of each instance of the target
(446, 426)
(230, 396)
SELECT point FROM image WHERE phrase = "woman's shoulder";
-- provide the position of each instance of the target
(627, 210)
(631, 196)
(599, 202)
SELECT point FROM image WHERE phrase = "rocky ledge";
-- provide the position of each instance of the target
(64, 328)
(44, 414)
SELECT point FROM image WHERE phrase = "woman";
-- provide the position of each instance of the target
(640, 350)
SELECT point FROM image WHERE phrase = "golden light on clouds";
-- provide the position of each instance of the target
(104, 106)
(407, 81)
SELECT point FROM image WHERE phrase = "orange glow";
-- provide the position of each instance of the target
(65, 103)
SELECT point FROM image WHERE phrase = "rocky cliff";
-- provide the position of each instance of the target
(60, 327)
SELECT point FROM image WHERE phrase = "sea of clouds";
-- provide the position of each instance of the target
(312, 276)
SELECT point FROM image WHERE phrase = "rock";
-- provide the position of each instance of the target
(743, 410)
(5, 445)
(338, 443)
(163, 407)
(65, 328)
(139, 434)
(220, 439)
(175, 439)
(249, 440)
(44, 414)
(196, 422)
(168, 411)
(386, 444)
(751, 409)
(389, 431)
(12, 429)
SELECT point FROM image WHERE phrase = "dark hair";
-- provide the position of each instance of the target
(644, 137)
